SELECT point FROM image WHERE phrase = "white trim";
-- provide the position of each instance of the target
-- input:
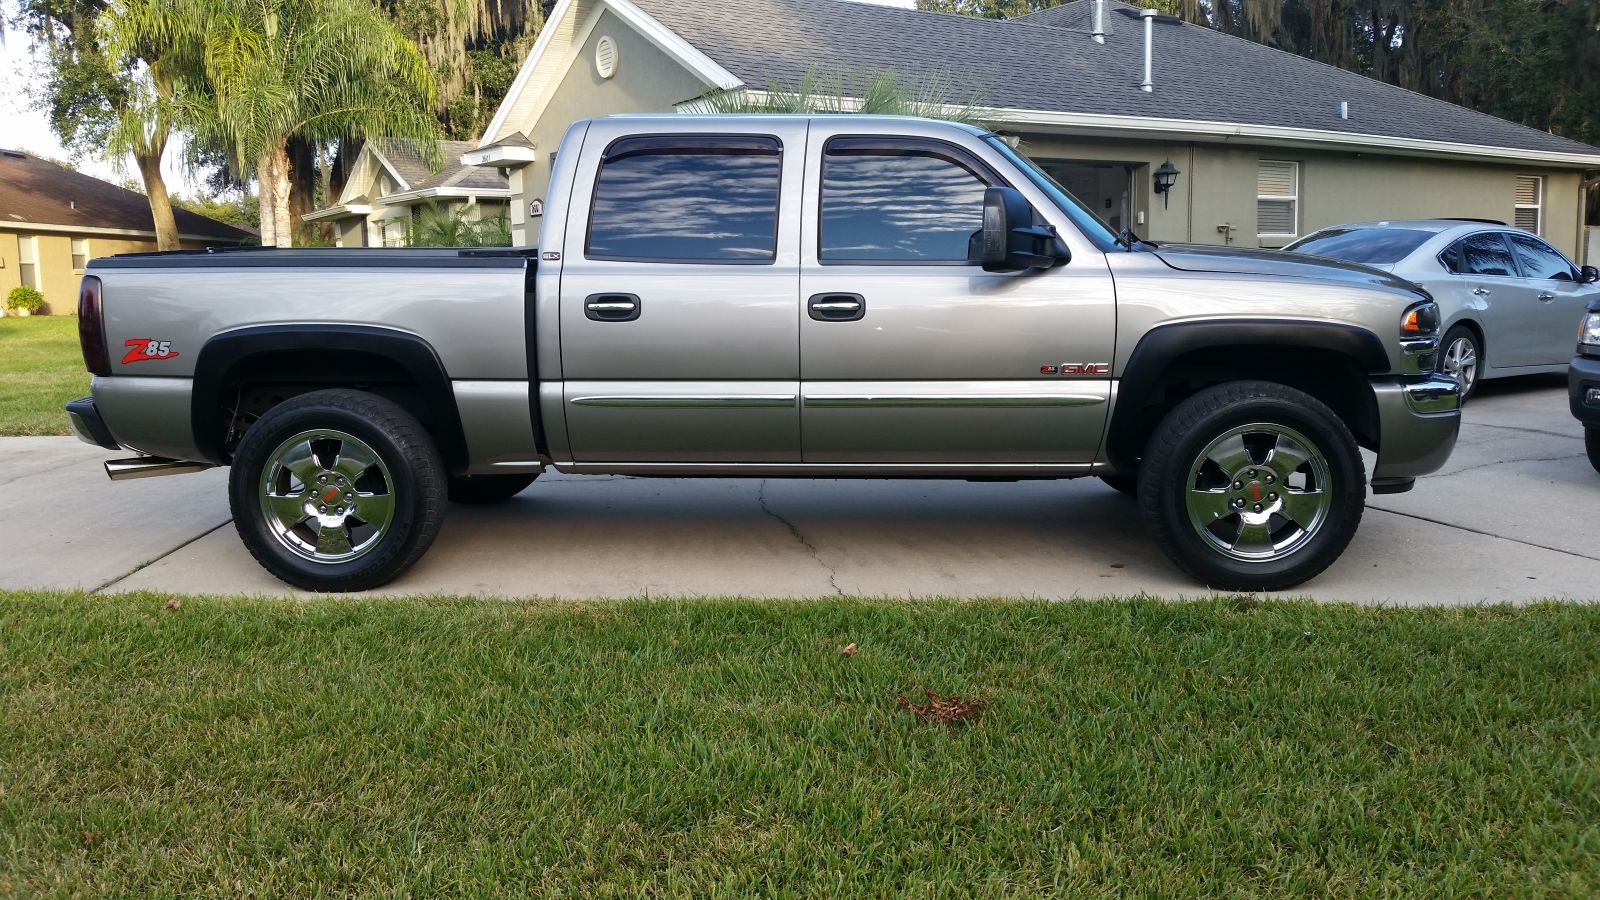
(1294, 198)
(15, 226)
(546, 35)
(406, 197)
(378, 154)
(500, 156)
(1538, 208)
(670, 43)
(342, 211)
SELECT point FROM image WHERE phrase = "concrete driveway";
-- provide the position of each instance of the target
(1510, 519)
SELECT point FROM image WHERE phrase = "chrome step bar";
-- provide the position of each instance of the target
(151, 467)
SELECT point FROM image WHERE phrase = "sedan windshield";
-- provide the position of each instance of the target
(1372, 246)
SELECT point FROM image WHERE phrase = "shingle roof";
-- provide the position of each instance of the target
(413, 168)
(39, 192)
(1042, 62)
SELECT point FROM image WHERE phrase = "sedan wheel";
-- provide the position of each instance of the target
(1460, 358)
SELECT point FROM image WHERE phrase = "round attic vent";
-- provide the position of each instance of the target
(605, 57)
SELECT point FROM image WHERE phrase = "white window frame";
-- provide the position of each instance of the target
(77, 268)
(28, 269)
(1294, 198)
(1537, 206)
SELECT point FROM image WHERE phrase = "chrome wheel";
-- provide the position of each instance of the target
(326, 496)
(1259, 492)
(1461, 360)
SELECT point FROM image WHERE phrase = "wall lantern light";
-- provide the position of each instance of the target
(1166, 176)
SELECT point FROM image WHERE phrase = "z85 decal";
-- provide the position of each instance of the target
(142, 349)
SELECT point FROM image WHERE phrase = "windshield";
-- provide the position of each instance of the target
(1372, 246)
(1092, 226)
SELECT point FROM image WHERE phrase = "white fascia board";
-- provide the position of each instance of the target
(378, 155)
(670, 43)
(408, 197)
(525, 74)
(500, 157)
(342, 211)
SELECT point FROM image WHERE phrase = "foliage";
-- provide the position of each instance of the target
(25, 297)
(397, 746)
(884, 93)
(41, 370)
(437, 225)
(243, 210)
(473, 48)
(1531, 61)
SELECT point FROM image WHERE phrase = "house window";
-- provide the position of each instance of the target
(28, 260)
(687, 198)
(80, 254)
(1530, 202)
(1277, 200)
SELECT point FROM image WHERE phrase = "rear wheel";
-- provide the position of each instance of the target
(1591, 443)
(1252, 486)
(337, 490)
(483, 490)
(1461, 355)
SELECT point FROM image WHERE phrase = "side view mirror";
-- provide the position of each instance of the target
(1590, 274)
(1011, 240)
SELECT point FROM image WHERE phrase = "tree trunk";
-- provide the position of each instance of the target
(155, 188)
(272, 174)
(302, 180)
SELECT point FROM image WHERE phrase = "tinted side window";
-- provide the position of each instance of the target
(687, 199)
(1481, 254)
(882, 203)
(1540, 260)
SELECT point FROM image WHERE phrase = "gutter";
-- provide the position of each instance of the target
(406, 197)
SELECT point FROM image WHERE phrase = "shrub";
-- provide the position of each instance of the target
(24, 297)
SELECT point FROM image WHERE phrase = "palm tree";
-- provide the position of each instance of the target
(268, 71)
(883, 94)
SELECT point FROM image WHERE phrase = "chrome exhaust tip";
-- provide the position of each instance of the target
(150, 467)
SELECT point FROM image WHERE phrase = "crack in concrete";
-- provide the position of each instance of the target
(1488, 534)
(1501, 462)
(833, 574)
(150, 562)
(1522, 430)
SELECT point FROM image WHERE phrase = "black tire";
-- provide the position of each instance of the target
(408, 470)
(485, 490)
(1591, 443)
(1463, 333)
(1123, 483)
(1177, 453)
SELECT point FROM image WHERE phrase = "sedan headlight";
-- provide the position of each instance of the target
(1589, 332)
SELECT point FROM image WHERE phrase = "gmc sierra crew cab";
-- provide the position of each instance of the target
(773, 296)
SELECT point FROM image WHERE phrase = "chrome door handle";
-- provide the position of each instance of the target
(611, 307)
(1482, 292)
(1546, 297)
(837, 307)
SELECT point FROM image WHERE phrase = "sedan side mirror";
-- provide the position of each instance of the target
(1011, 240)
(1590, 274)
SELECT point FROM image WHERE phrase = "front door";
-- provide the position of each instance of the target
(679, 297)
(910, 353)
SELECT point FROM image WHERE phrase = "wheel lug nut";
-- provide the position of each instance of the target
(1270, 479)
(1272, 497)
(322, 509)
(1238, 485)
(1258, 507)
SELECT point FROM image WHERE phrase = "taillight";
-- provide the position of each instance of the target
(92, 328)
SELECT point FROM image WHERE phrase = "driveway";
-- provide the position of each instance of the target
(1510, 519)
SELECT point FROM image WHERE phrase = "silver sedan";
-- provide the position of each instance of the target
(1510, 302)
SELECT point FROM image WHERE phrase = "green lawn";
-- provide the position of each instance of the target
(1140, 748)
(41, 369)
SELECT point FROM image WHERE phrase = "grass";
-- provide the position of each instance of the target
(449, 746)
(41, 369)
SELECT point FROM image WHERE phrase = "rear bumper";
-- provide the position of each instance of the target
(1419, 418)
(1583, 377)
(87, 426)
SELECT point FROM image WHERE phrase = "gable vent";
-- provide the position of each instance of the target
(605, 57)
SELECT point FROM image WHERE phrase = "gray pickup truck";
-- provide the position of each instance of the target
(773, 296)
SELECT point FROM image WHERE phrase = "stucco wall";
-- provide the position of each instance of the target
(646, 80)
(58, 280)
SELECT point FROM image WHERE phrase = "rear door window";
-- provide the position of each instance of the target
(1540, 260)
(1480, 254)
(687, 199)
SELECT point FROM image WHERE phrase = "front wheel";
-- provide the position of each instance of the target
(337, 490)
(1252, 486)
(1460, 355)
(1591, 443)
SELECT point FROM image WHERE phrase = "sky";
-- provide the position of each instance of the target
(23, 127)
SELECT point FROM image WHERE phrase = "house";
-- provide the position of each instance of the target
(1258, 146)
(390, 184)
(54, 220)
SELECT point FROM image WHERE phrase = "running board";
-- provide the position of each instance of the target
(151, 467)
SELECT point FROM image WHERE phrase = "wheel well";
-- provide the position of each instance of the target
(1334, 378)
(1477, 332)
(241, 374)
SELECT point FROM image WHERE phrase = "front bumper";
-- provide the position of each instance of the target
(1419, 418)
(87, 426)
(1583, 377)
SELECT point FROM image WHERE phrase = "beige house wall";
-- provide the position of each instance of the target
(58, 280)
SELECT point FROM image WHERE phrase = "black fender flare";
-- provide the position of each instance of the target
(227, 352)
(1160, 346)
